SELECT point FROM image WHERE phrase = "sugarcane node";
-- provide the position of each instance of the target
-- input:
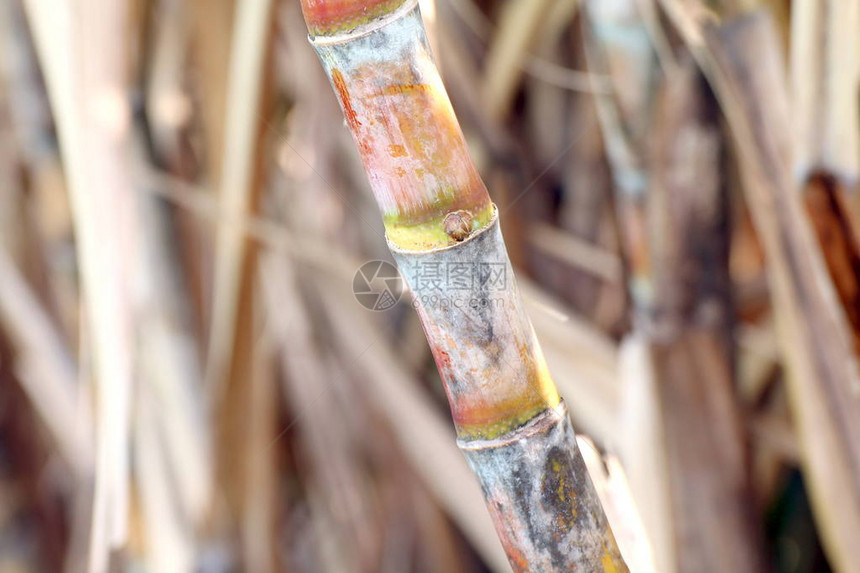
(458, 225)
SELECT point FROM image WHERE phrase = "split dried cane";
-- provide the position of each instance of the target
(444, 233)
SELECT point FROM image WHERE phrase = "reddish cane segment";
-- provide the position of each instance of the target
(404, 126)
(329, 17)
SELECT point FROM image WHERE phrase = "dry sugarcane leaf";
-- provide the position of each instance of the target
(229, 368)
(826, 113)
(641, 446)
(677, 246)
(519, 24)
(168, 541)
(545, 104)
(583, 362)
(168, 362)
(423, 434)
(43, 363)
(758, 359)
(690, 325)
(837, 236)
(345, 496)
(823, 377)
(170, 119)
(825, 74)
(12, 231)
(618, 43)
(46, 370)
(167, 104)
(212, 25)
(83, 55)
(614, 491)
(252, 42)
(577, 253)
(260, 516)
(710, 488)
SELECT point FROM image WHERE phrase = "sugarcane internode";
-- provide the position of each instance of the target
(486, 352)
(404, 126)
(444, 234)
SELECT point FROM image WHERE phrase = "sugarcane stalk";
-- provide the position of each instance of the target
(443, 232)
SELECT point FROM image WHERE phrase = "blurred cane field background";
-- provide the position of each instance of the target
(188, 382)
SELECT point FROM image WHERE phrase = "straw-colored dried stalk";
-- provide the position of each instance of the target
(82, 53)
(823, 379)
(663, 137)
(825, 80)
(825, 41)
